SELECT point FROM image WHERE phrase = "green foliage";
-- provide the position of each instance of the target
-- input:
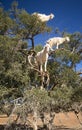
(30, 27)
(5, 22)
(77, 94)
(35, 101)
(16, 76)
(37, 98)
(38, 48)
(62, 97)
(12, 73)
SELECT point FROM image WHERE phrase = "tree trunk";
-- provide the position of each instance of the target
(35, 120)
(32, 42)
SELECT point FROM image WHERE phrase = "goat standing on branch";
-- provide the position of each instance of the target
(57, 41)
(42, 57)
(44, 17)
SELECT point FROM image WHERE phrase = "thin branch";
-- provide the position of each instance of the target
(79, 72)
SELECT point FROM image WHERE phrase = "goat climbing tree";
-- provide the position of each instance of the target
(18, 79)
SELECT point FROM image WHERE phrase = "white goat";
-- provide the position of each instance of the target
(57, 41)
(42, 57)
(44, 17)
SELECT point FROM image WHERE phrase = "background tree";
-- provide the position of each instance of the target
(25, 25)
(62, 66)
(16, 26)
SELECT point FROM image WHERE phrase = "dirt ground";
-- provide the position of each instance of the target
(62, 121)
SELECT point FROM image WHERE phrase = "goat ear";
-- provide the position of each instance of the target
(45, 47)
(50, 16)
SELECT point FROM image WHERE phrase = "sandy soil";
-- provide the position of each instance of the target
(65, 121)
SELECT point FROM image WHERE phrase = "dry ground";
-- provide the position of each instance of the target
(62, 121)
